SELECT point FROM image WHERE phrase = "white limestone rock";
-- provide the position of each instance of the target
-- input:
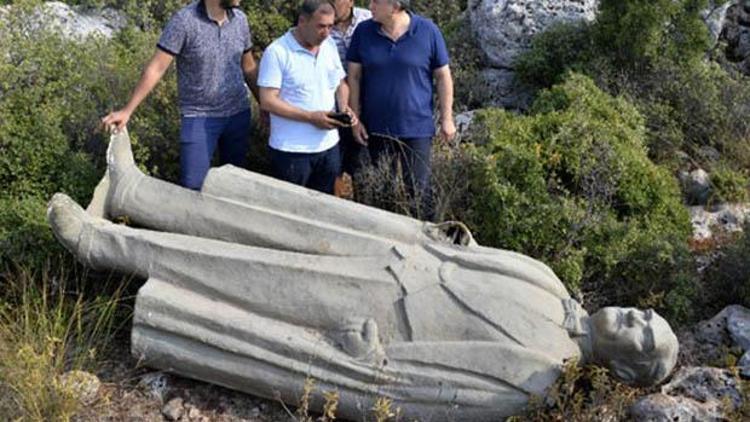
(504, 28)
(73, 22)
(663, 408)
(727, 218)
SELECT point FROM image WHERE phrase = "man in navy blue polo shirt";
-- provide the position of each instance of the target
(211, 41)
(393, 59)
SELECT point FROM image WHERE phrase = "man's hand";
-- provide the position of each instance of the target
(352, 115)
(447, 130)
(322, 120)
(117, 119)
(360, 133)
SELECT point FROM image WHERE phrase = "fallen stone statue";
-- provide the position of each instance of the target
(256, 285)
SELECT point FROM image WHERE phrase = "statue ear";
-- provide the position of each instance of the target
(622, 371)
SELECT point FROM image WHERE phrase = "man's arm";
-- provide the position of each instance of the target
(445, 101)
(151, 75)
(354, 79)
(342, 101)
(250, 70)
(271, 101)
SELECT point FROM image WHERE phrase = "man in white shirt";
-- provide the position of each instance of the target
(301, 82)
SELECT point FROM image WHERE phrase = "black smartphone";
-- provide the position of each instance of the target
(341, 117)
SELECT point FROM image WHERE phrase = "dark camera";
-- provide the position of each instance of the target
(344, 118)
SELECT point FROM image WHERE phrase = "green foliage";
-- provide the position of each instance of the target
(727, 279)
(637, 33)
(559, 48)
(728, 185)
(571, 184)
(53, 93)
(692, 107)
(653, 52)
(24, 233)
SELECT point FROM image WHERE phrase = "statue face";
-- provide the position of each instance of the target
(626, 328)
(632, 342)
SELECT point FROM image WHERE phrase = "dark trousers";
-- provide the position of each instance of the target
(414, 157)
(317, 170)
(352, 152)
(199, 137)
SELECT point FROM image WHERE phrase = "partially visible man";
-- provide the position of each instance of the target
(393, 59)
(212, 43)
(348, 18)
(301, 80)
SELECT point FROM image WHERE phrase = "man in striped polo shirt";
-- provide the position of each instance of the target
(212, 43)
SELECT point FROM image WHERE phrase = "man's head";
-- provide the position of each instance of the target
(383, 10)
(316, 19)
(343, 9)
(637, 346)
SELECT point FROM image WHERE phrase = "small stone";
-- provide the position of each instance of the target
(83, 385)
(744, 365)
(696, 185)
(194, 413)
(156, 385)
(173, 410)
(663, 408)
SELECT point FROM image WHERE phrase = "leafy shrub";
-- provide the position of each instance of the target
(728, 185)
(25, 236)
(634, 34)
(727, 279)
(572, 185)
(53, 93)
(560, 48)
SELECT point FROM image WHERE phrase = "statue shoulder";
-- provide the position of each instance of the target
(502, 262)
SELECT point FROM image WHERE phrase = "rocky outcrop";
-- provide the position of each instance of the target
(736, 33)
(714, 17)
(695, 394)
(73, 22)
(701, 393)
(504, 29)
(723, 218)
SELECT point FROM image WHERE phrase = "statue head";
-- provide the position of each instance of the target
(639, 347)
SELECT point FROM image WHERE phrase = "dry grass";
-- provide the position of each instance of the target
(382, 186)
(47, 328)
(583, 394)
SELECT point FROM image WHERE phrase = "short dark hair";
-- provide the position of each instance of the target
(402, 4)
(309, 7)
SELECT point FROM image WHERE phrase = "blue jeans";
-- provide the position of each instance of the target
(199, 137)
(414, 155)
(316, 170)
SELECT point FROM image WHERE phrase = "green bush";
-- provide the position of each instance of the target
(53, 93)
(653, 52)
(572, 184)
(25, 236)
(728, 185)
(727, 279)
